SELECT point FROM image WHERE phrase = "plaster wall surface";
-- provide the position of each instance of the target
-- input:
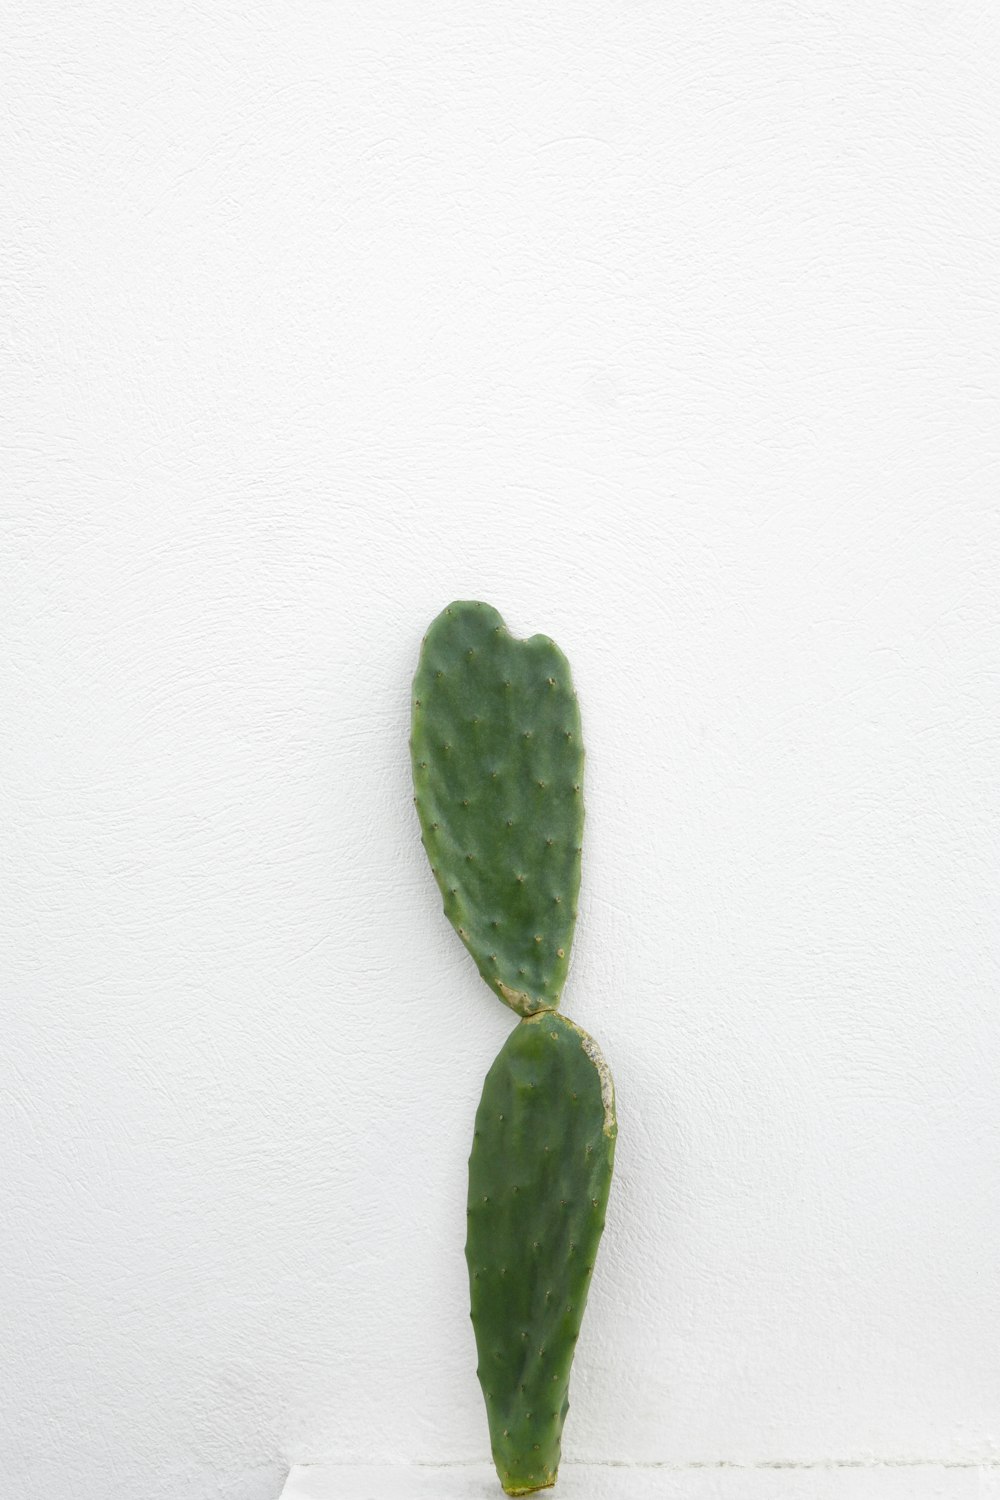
(672, 332)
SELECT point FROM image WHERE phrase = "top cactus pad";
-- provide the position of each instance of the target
(497, 770)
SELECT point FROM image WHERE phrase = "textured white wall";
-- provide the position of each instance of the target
(671, 331)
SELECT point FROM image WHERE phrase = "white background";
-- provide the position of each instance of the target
(671, 331)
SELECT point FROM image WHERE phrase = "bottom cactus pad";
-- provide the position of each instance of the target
(539, 1176)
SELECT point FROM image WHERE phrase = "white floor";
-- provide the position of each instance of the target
(638, 1482)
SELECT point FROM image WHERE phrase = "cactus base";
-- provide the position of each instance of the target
(539, 1174)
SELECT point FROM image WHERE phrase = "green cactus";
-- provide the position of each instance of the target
(539, 1175)
(497, 769)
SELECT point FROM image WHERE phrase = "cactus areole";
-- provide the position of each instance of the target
(498, 780)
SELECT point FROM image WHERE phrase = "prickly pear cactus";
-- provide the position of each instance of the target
(539, 1175)
(497, 770)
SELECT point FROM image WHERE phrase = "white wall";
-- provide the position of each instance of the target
(669, 330)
